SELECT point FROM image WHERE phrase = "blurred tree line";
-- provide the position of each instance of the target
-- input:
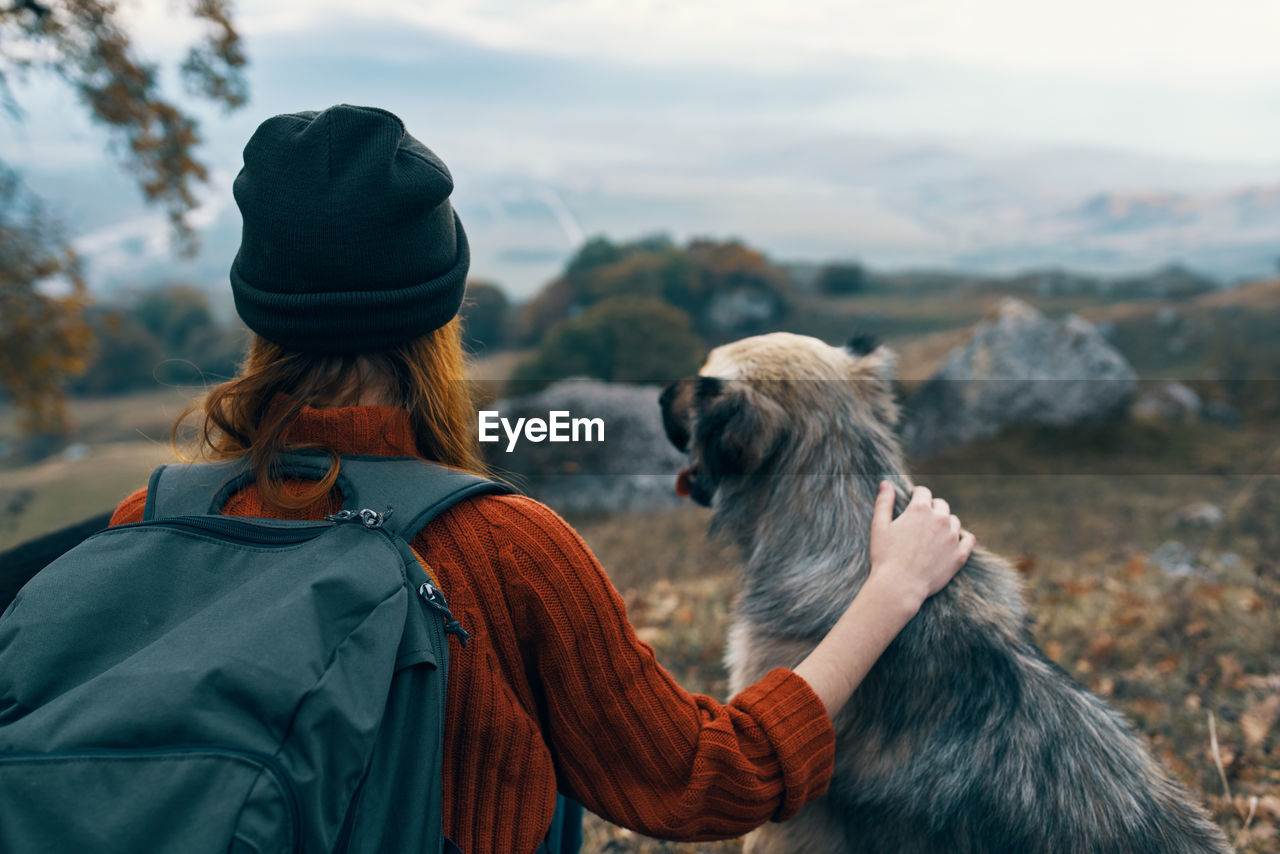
(166, 335)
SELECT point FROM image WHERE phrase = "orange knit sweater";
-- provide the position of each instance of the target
(556, 691)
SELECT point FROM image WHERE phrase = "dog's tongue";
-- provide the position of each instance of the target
(682, 481)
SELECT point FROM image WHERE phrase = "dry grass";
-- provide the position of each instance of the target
(117, 441)
(145, 414)
(60, 491)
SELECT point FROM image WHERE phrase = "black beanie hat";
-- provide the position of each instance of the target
(349, 241)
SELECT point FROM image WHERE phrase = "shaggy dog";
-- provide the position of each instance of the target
(964, 737)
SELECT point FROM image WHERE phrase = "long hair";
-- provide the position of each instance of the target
(250, 415)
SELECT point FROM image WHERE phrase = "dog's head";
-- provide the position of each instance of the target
(762, 400)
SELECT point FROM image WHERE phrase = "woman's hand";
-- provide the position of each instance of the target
(912, 558)
(916, 554)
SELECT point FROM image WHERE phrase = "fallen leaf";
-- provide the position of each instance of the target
(1079, 586)
(1269, 807)
(1102, 646)
(1258, 719)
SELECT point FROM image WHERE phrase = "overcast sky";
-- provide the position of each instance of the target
(810, 127)
(1193, 42)
(1179, 77)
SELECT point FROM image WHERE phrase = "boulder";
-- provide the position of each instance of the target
(1019, 367)
(1200, 514)
(740, 311)
(1176, 560)
(1221, 412)
(633, 468)
(1170, 400)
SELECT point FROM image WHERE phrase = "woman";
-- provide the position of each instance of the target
(350, 272)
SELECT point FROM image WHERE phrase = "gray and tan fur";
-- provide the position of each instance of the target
(964, 737)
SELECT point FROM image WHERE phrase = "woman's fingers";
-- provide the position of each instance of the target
(921, 496)
(884, 509)
(955, 524)
(941, 507)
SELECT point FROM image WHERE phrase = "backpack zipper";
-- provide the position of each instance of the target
(250, 532)
(427, 591)
(431, 594)
(230, 527)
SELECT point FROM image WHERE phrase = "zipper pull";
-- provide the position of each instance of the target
(369, 518)
(433, 597)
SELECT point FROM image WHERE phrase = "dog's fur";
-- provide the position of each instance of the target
(964, 737)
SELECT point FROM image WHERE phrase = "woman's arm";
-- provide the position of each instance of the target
(912, 557)
(628, 742)
(633, 746)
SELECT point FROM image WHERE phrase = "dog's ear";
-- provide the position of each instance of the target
(738, 427)
(860, 344)
(676, 404)
(874, 375)
(879, 363)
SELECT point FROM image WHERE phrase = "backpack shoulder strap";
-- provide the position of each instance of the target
(191, 489)
(415, 490)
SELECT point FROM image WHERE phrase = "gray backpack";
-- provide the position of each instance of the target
(202, 683)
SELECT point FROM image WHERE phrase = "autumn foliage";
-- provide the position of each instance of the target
(43, 338)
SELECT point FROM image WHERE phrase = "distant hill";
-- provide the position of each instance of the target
(893, 204)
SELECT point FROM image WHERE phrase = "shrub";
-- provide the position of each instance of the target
(708, 280)
(484, 317)
(622, 339)
(841, 279)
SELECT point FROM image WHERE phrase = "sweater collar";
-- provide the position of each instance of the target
(380, 431)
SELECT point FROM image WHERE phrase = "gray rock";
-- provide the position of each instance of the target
(1175, 560)
(1230, 561)
(1201, 514)
(1171, 400)
(1019, 368)
(1221, 413)
(634, 468)
(741, 309)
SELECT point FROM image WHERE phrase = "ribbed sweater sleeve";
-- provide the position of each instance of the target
(630, 743)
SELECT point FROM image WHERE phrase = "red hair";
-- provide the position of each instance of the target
(250, 415)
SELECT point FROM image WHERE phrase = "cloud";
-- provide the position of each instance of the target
(1190, 78)
(1173, 42)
